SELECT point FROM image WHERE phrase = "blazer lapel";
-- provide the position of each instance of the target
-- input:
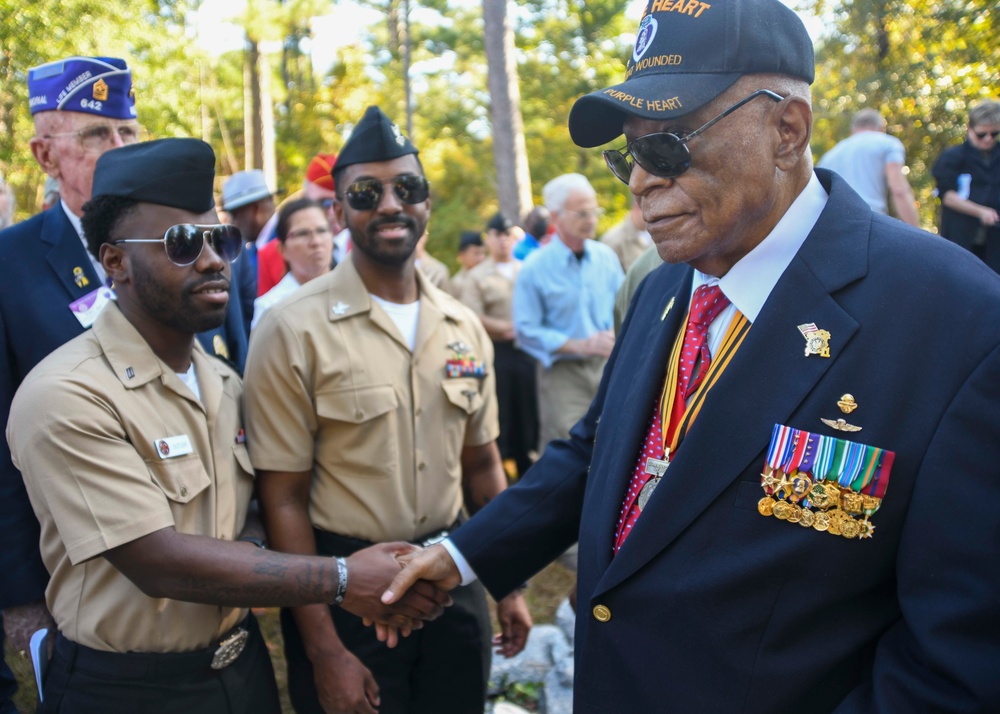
(645, 351)
(763, 385)
(66, 255)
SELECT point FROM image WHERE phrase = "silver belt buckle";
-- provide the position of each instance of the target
(230, 648)
(434, 539)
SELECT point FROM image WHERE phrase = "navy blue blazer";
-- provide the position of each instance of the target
(716, 608)
(38, 258)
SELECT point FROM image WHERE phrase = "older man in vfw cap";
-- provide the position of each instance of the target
(52, 289)
(131, 442)
(786, 490)
(372, 417)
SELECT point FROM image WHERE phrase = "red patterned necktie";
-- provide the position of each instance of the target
(707, 303)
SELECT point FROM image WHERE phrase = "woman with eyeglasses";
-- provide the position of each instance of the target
(968, 182)
(306, 245)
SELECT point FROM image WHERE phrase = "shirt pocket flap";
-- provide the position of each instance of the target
(243, 458)
(358, 404)
(180, 479)
(464, 394)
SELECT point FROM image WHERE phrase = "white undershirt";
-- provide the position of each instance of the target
(747, 284)
(508, 270)
(405, 317)
(191, 380)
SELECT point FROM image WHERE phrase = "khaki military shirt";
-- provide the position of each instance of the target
(435, 271)
(489, 292)
(625, 241)
(114, 446)
(332, 388)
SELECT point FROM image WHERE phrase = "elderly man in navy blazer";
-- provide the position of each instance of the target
(53, 289)
(787, 489)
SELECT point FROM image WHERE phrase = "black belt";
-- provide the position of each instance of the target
(152, 665)
(340, 545)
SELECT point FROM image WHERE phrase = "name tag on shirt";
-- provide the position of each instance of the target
(87, 308)
(173, 446)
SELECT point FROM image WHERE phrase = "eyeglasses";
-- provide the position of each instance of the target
(587, 215)
(326, 203)
(185, 242)
(665, 154)
(366, 194)
(307, 233)
(97, 137)
(984, 134)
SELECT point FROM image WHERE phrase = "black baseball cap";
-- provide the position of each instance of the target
(689, 52)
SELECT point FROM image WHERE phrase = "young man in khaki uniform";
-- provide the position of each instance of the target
(132, 446)
(489, 291)
(372, 416)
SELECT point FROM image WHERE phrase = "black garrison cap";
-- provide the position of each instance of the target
(468, 238)
(375, 138)
(500, 223)
(169, 172)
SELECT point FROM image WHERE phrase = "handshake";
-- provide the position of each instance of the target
(397, 587)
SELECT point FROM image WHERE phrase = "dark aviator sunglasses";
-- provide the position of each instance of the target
(185, 242)
(366, 194)
(664, 153)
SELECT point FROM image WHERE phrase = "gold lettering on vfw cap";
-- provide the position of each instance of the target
(101, 90)
(694, 8)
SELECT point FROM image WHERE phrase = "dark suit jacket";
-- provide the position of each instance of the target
(715, 608)
(37, 260)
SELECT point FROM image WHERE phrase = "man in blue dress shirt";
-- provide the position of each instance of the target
(564, 302)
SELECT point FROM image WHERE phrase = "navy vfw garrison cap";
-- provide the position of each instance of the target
(687, 53)
(93, 85)
(169, 172)
(375, 138)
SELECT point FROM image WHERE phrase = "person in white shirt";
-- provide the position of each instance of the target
(306, 245)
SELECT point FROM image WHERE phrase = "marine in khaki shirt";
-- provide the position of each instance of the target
(131, 443)
(372, 415)
(335, 389)
(489, 292)
(116, 446)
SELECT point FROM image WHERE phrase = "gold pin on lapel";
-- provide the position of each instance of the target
(817, 340)
(79, 278)
(847, 403)
(666, 310)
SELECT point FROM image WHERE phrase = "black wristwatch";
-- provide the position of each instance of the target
(255, 540)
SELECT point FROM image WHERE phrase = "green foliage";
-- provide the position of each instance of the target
(922, 63)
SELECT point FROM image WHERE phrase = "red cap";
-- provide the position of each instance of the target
(320, 170)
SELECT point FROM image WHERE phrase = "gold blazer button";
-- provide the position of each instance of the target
(602, 613)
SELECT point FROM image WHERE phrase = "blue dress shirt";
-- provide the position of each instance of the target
(559, 297)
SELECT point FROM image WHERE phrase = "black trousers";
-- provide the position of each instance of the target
(85, 681)
(440, 669)
(517, 397)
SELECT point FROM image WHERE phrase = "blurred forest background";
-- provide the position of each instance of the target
(484, 87)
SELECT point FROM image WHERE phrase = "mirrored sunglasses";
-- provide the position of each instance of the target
(666, 154)
(185, 242)
(366, 194)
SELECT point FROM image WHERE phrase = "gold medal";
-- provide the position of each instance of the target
(867, 529)
(808, 518)
(765, 506)
(834, 525)
(801, 484)
(870, 503)
(821, 521)
(782, 509)
(823, 495)
(849, 528)
(646, 492)
(795, 515)
(853, 503)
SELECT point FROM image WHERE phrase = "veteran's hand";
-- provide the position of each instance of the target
(599, 344)
(989, 216)
(433, 565)
(21, 622)
(515, 624)
(369, 572)
(343, 684)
